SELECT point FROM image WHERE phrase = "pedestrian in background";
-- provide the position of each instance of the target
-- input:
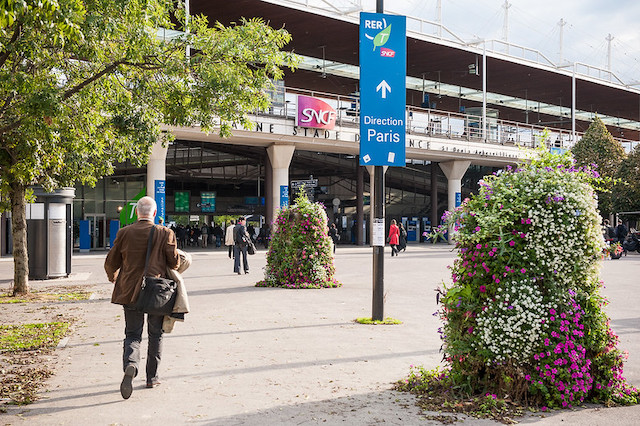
(204, 233)
(335, 237)
(621, 231)
(240, 244)
(393, 238)
(218, 234)
(402, 245)
(228, 238)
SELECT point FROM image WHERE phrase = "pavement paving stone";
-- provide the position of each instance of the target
(267, 356)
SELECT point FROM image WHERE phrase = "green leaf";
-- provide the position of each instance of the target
(382, 37)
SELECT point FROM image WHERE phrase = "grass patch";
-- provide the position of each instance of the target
(46, 297)
(386, 321)
(28, 337)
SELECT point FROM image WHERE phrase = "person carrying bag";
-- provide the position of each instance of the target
(157, 295)
(126, 264)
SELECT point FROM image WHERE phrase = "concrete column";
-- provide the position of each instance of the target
(156, 167)
(268, 192)
(454, 171)
(157, 170)
(434, 195)
(280, 157)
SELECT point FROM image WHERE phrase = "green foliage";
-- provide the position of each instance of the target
(88, 84)
(598, 147)
(28, 337)
(626, 194)
(64, 297)
(523, 315)
(386, 321)
(300, 252)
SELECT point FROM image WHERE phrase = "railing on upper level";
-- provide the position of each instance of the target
(437, 123)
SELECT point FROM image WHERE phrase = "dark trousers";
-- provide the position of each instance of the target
(236, 261)
(231, 251)
(394, 249)
(134, 322)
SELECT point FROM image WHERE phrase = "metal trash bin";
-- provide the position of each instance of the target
(49, 233)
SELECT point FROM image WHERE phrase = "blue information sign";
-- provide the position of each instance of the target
(160, 197)
(383, 70)
(284, 196)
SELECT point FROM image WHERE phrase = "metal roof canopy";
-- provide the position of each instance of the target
(336, 40)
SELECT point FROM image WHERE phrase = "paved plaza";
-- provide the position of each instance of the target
(265, 356)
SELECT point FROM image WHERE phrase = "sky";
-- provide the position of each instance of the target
(535, 24)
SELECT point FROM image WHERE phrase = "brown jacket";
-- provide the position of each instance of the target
(125, 261)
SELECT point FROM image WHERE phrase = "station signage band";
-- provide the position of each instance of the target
(383, 70)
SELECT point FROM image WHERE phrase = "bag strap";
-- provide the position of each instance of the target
(149, 243)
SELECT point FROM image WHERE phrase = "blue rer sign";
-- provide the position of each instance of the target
(383, 70)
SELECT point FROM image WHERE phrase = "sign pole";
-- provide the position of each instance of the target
(378, 251)
(378, 213)
(383, 53)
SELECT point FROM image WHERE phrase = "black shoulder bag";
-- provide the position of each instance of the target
(157, 295)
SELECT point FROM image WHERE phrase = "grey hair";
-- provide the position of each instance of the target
(146, 207)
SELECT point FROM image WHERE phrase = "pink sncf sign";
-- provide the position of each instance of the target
(313, 112)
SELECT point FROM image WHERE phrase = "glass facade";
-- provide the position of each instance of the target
(101, 204)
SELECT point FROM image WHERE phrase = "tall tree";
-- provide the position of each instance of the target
(598, 147)
(85, 84)
(626, 194)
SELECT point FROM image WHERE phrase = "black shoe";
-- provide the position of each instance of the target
(238, 273)
(153, 383)
(246, 272)
(126, 387)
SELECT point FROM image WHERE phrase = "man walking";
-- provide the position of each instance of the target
(240, 246)
(228, 238)
(204, 235)
(125, 266)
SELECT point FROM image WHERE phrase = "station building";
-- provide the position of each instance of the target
(472, 107)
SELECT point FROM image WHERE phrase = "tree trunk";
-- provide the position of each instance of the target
(19, 233)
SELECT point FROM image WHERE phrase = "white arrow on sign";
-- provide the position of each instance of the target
(384, 86)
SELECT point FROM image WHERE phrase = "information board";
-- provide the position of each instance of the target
(208, 202)
(159, 193)
(181, 201)
(378, 233)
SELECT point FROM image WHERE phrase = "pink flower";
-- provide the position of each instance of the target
(523, 270)
(482, 289)
(511, 243)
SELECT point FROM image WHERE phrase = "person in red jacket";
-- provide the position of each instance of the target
(394, 234)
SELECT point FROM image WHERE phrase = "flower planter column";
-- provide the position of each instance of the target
(280, 158)
(454, 171)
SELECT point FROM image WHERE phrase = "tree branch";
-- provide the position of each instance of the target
(143, 65)
(72, 91)
(14, 38)
(90, 80)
